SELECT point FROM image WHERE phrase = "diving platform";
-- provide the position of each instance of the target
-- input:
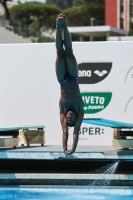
(11, 136)
(108, 123)
(122, 132)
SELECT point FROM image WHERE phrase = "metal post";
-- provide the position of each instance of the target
(81, 38)
(107, 35)
(91, 22)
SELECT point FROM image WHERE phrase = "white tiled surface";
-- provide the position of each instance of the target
(53, 152)
(36, 176)
(60, 189)
(55, 155)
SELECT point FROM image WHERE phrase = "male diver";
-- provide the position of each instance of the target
(71, 104)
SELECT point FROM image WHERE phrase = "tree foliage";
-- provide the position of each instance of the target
(76, 16)
(130, 33)
(7, 14)
(77, 2)
(62, 4)
(81, 15)
(38, 16)
(35, 14)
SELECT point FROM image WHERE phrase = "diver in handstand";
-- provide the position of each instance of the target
(71, 104)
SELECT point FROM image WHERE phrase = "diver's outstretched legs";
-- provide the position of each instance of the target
(60, 60)
(71, 62)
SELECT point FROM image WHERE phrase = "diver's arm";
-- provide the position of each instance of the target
(65, 131)
(79, 121)
(76, 131)
(63, 122)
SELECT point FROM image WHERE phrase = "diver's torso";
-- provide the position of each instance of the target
(70, 98)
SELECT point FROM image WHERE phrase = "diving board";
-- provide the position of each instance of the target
(108, 123)
(16, 128)
(25, 134)
(120, 139)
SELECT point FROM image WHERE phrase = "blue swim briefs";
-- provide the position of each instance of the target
(68, 79)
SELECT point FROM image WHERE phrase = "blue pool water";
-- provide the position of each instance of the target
(64, 193)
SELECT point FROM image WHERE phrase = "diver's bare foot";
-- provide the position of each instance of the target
(59, 21)
(61, 15)
(63, 20)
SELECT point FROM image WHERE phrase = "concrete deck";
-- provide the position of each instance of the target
(92, 180)
(54, 152)
(86, 190)
(58, 148)
(51, 152)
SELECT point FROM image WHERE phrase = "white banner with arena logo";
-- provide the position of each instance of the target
(30, 91)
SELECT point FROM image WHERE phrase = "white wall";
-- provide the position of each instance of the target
(120, 38)
(29, 91)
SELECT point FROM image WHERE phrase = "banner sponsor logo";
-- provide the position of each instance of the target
(95, 102)
(91, 130)
(91, 73)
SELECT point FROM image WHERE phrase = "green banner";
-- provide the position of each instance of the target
(95, 102)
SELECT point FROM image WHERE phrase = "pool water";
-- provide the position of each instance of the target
(65, 193)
